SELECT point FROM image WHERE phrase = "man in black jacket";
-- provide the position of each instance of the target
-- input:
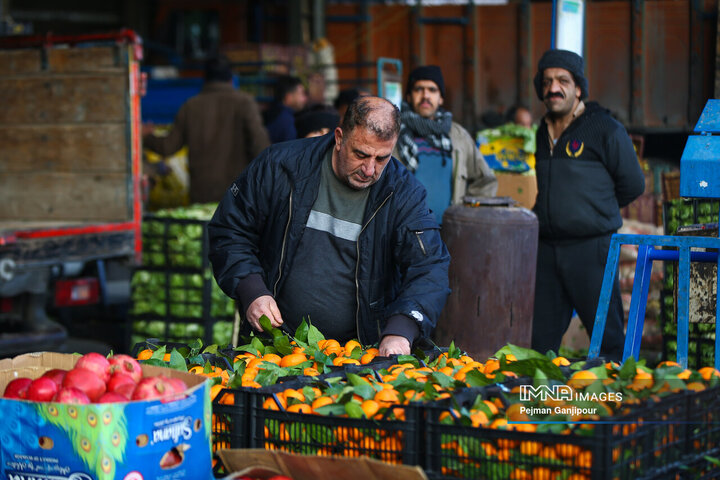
(586, 170)
(335, 229)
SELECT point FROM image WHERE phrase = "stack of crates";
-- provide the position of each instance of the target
(677, 214)
(174, 294)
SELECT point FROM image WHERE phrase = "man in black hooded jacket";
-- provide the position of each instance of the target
(586, 171)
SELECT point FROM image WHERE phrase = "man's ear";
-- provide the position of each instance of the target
(578, 92)
(338, 137)
(440, 102)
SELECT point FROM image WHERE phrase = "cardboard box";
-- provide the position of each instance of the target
(522, 188)
(138, 440)
(265, 463)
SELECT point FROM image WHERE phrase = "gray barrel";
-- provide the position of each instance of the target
(493, 249)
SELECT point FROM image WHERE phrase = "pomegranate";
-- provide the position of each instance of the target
(122, 384)
(126, 364)
(57, 375)
(17, 388)
(152, 387)
(86, 381)
(178, 385)
(42, 389)
(71, 395)
(95, 363)
(112, 397)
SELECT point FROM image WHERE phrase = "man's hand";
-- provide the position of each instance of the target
(394, 345)
(264, 305)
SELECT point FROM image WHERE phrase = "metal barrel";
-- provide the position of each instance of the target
(493, 249)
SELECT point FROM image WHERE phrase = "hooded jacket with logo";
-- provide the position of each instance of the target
(402, 264)
(584, 180)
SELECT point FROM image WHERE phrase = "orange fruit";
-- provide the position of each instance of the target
(300, 408)
(581, 379)
(145, 354)
(491, 365)
(272, 358)
(708, 372)
(321, 402)
(641, 381)
(387, 395)
(293, 359)
(214, 390)
(311, 372)
(370, 407)
(560, 361)
(478, 419)
(271, 404)
(367, 358)
(296, 394)
(514, 414)
(351, 345)
(695, 386)
(668, 363)
(166, 357)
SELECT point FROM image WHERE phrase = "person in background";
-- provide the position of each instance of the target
(334, 229)
(586, 170)
(222, 129)
(316, 122)
(279, 119)
(346, 97)
(439, 152)
(519, 115)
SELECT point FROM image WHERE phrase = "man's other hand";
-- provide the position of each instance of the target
(264, 305)
(394, 345)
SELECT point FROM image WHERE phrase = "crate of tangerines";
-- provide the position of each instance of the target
(576, 421)
(537, 417)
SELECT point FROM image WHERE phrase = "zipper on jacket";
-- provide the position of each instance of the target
(357, 268)
(282, 248)
(420, 242)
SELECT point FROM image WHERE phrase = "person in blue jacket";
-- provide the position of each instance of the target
(586, 171)
(290, 97)
(334, 229)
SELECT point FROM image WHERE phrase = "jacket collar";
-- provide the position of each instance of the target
(218, 87)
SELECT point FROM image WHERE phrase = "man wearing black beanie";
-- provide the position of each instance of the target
(586, 170)
(440, 152)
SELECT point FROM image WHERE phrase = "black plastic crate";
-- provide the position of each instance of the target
(386, 439)
(687, 211)
(179, 306)
(230, 419)
(174, 242)
(652, 440)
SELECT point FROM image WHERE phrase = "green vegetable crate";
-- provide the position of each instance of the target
(174, 295)
(685, 214)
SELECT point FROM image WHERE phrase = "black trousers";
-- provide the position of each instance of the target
(569, 276)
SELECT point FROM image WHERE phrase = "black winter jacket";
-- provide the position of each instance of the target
(402, 266)
(591, 172)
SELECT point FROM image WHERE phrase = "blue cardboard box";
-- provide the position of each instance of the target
(138, 440)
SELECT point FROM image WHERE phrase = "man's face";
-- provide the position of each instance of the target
(360, 157)
(297, 98)
(425, 98)
(523, 117)
(560, 93)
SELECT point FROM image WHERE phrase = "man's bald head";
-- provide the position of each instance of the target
(376, 115)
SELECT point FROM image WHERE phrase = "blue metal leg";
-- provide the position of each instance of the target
(638, 302)
(604, 300)
(683, 304)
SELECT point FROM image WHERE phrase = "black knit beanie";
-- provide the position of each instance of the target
(570, 61)
(427, 72)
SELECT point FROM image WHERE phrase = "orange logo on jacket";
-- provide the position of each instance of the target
(574, 148)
